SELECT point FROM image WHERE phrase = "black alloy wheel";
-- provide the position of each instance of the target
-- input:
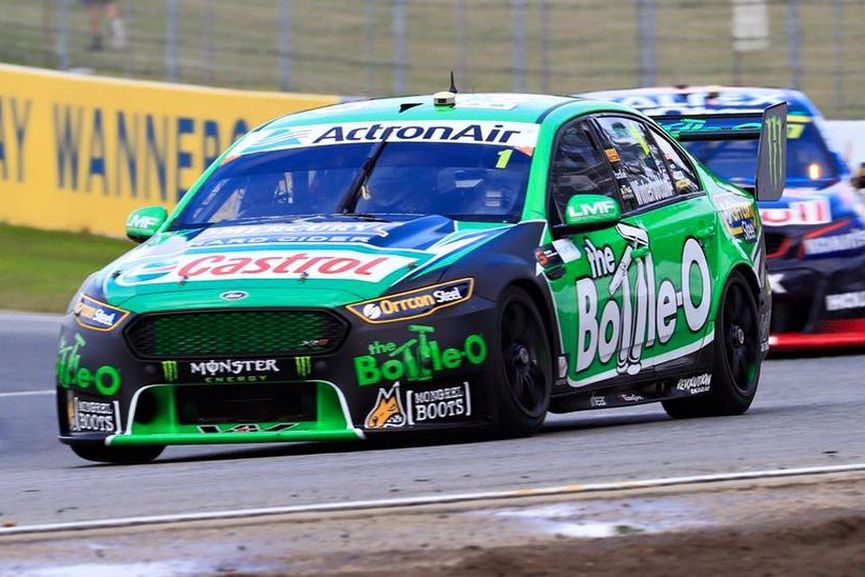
(526, 365)
(736, 370)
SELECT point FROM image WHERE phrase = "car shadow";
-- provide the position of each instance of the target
(566, 424)
(815, 353)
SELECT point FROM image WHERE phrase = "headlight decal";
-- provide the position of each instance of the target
(415, 303)
(97, 315)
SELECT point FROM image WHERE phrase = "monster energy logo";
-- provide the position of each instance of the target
(773, 134)
(169, 370)
(303, 366)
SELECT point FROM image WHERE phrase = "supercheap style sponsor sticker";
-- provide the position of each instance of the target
(97, 315)
(523, 135)
(806, 212)
(415, 303)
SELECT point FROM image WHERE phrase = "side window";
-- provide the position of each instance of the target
(637, 162)
(579, 167)
(684, 177)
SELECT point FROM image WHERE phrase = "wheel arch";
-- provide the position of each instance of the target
(750, 278)
(545, 309)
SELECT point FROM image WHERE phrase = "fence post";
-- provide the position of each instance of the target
(519, 15)
(837, 58)
(647, 33)
(545, 46)
(368, 39)
(207, 41)
(63, 33)
(460, 39)
(794, 40)
(285, 45)
(171, 40)
(399, 46)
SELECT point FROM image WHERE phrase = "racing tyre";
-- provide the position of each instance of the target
(117, 455)
(525, 366)
(736, 369)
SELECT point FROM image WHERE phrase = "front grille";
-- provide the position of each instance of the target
(279, 332)
(257, 403)
(775, 244)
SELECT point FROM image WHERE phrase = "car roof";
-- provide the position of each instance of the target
(512, 107)
(729, 98)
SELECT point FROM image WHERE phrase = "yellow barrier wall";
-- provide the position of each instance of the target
(79, 153)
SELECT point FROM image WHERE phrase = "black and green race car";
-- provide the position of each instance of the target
(420, 263)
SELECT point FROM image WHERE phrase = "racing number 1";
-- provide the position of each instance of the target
(504, 157)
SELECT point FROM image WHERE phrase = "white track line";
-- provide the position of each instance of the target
(374, 504)
(7, 315)
(27, 393)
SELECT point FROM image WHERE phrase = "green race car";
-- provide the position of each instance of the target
(418, 263)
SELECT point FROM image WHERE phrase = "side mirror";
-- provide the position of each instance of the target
(144, 222)
(858, 181)
(586, 212)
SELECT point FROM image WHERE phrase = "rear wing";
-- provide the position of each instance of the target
(769, 127)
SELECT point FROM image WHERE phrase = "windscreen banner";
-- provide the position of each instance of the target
(79, 153)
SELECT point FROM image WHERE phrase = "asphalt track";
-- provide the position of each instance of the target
(808, 412)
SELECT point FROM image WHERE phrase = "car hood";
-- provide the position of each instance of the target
(302, 263)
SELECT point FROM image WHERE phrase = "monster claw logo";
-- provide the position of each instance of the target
(303, 365)
(387, 412)
(773, 132)
(169, 370)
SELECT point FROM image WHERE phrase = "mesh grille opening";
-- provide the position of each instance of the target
(264, 403)
(234, 333)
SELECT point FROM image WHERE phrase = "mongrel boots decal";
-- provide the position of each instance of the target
(646, 313)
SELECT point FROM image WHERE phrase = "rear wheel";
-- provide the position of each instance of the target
(736, 370)
(117, 455)
(525, 374)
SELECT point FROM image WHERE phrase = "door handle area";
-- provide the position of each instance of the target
(705, 232)
(640, 251)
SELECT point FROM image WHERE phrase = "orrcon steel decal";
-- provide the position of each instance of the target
(96, 315)
(415, 303)
(515, 134)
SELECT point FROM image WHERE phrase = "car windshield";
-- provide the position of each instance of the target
(460, 181)
(808, 159)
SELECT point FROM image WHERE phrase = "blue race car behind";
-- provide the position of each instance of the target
(815, 234)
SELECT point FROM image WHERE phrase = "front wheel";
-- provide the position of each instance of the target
(736, 369)
(117, 455)
(525, 365)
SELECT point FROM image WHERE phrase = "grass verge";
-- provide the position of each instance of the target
(41, 270)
